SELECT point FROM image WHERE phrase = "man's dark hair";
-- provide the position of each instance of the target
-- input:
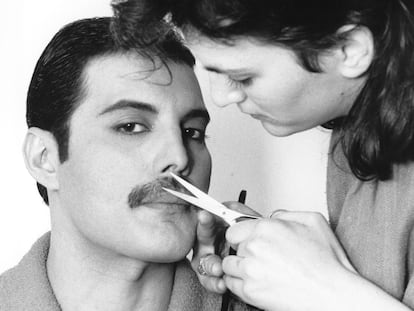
(57, 85)
(378, 132)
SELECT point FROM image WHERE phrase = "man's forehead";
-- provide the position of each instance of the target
(109, 79)
(127, 68)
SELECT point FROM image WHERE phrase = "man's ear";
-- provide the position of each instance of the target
(41, 156)
(357, 51)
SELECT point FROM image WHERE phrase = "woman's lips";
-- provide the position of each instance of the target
(252, 114)
(262, 118)
(256, 116)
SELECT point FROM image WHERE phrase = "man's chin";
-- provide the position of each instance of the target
(174, 255)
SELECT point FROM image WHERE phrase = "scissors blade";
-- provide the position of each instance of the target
(197, 192)
(218, 209)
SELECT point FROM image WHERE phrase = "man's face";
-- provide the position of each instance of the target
(131, 129)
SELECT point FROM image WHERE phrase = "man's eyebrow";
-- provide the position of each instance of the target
(125, 104)
(197, 113)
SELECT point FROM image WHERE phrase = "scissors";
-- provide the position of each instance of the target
(207, 203)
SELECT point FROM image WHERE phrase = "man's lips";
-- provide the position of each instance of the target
(166, 199)
(153, 193)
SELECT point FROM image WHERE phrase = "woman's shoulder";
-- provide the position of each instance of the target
(404, 173)
(340, 178)
(346, 192)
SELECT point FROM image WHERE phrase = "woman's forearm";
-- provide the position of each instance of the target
(352, 292)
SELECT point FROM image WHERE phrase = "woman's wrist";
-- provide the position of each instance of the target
(352, 292)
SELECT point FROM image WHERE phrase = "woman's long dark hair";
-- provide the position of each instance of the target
(379, 130)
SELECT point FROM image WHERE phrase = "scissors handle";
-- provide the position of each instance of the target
(225, 302)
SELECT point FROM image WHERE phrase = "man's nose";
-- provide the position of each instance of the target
(223, 93)
(174, 155)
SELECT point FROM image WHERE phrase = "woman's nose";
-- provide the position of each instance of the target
(223, 93)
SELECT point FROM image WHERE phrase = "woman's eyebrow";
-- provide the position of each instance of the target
(126, 104)
(230, 71)
(213, 69)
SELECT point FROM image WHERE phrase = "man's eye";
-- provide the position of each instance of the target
(195, 134)
(132, 128)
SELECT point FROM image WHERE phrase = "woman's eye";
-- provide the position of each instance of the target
(240, 82)
(132, 128)
(195, 134)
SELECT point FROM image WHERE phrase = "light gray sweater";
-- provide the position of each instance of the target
(374, 221)
(26, 287)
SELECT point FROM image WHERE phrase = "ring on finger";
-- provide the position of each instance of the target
(201, 268)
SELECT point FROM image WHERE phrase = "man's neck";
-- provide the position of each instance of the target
(84, 278)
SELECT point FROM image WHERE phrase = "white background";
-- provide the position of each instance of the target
(286, 173)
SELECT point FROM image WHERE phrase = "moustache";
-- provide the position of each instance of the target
(153, 192)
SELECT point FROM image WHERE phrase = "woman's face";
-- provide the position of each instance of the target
(267, 82)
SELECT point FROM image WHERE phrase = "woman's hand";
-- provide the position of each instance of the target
(205, 263)
(289, 262)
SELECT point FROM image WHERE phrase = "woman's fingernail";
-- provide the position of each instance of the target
(275, 212)
(216, 269)
(221, 286)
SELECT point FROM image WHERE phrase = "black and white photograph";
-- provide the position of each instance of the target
(180, 155)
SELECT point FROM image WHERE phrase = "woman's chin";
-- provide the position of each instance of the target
(277, 129)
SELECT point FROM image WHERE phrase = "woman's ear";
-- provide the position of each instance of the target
(41, 156)
(357, 51)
